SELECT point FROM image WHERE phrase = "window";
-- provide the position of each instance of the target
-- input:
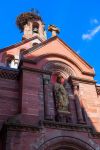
(10, 60)
(35, 27)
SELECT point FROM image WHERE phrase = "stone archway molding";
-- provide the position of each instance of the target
(57, 66)
(66, 142)
(44, 56)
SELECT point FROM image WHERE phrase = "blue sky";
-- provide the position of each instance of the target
(78, 20)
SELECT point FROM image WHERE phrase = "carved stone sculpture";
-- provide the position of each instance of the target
(61, 97)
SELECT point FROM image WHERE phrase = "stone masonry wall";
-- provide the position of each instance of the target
(9, 98)
(91, 103)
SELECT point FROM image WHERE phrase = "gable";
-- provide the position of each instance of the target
(56, 49)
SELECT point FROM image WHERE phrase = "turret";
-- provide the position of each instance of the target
(31, 24)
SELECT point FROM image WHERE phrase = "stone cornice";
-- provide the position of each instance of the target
(95, 135)
(78, 80)
(13, 74)
(36, 70)
(88, 73)
(48, 124)
(22, 127)
(67, 126)
(72, 127)
(27, 61)
(54, 125)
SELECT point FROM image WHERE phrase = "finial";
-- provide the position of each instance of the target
(54, 30)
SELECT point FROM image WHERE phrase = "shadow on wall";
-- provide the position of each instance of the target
(78, 113)
(62, 104)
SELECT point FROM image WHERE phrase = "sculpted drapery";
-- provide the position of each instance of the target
(60, 94)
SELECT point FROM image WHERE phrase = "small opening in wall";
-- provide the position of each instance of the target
(34, 44)
(35, 27)
(9, 59)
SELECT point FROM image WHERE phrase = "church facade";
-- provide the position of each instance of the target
(49, 99)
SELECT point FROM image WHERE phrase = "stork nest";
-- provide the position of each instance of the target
(25, 17)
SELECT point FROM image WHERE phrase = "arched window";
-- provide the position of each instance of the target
(35, 27)
(10, 61)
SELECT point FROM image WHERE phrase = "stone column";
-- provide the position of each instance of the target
(78, 103)
(49, 110)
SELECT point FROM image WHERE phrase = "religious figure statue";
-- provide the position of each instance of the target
(61, 97)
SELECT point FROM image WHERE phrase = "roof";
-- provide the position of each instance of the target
(19, 44)
(36, 47)
(49, 40)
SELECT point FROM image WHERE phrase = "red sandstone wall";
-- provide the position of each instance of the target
(32, 104)
(98, 97)
(9, 98)
(32, 94)
(47, 137)
(91, 103)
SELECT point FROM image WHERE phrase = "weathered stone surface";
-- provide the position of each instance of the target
(28, 116)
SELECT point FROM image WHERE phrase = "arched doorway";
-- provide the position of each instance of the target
(66, 143)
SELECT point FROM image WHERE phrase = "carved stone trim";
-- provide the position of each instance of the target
(35, 70)
(72, 127)
(55, 125)
(22, 127)
(66, 58)
(56, 66)
(95, 135)
(88, 73)
(66, 142)
(77, 79)
(9, 73)
(68, 126)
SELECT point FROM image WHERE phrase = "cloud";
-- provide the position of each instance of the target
(91, 33)
(78, 52)
(94, 21)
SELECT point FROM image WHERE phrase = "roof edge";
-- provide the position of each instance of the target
(56, 37)
(42, 44)
(18, 44)
(75, 53)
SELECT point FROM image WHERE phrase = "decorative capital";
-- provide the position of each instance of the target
(75, 84)
(46, 78)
